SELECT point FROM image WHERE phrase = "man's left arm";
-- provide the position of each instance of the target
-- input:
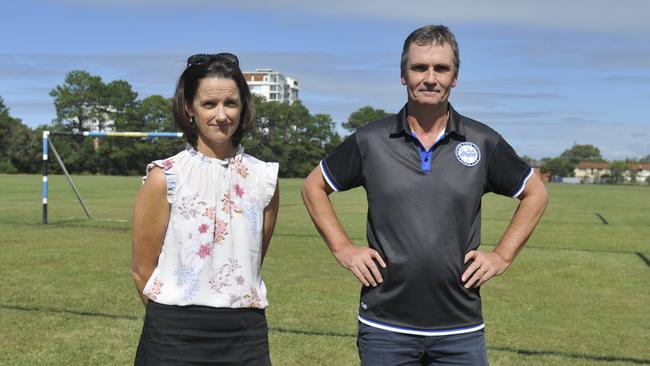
(486, 265)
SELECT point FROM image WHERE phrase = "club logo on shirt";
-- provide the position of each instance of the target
(468, 153)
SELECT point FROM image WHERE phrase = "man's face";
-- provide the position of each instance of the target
(429, 74)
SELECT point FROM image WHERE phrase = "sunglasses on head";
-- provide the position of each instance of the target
(202, 58)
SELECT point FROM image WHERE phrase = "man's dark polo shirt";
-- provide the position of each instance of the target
(423, 223)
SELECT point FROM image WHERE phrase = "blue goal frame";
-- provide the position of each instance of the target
(46, 148)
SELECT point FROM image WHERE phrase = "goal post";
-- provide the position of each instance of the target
(48, 145)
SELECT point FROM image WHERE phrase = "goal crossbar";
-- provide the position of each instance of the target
(47, 144)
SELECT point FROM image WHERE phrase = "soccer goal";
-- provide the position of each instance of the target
(49, 145)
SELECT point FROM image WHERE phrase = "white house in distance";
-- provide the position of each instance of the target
(272, 85)
(589, 171)
(93, 123)
(594, 172)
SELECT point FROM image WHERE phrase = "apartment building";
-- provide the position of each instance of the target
(272, 85)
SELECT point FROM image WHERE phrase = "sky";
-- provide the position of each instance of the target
(545, 74)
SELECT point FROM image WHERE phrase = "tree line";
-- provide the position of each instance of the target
(284, 132)
(565, 164)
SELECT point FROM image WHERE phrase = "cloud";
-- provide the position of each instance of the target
(497, 98)
(338, 84)
(359, 81)
(582, 52)
(627, 79)
(546, 138)
(540, 115)
(40, 73)
(589, 15)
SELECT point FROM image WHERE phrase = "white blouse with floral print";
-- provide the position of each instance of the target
(212, 249)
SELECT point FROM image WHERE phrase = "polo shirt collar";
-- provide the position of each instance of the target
(454, 124)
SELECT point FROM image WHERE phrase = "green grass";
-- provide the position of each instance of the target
(577, 295)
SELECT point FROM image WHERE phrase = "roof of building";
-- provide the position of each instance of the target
(638, 166)
(605, 165)
(592, 165)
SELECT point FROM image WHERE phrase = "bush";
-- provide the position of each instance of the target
(7, 167)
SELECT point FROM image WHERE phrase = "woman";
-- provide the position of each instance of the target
(202, 223)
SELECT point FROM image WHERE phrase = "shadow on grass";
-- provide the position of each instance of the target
(644, 258)
(518, 351)
(99, 224)
(577, 356)
(359, 239)
(65, 311)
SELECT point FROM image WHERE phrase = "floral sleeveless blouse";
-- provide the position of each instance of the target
(212, 249)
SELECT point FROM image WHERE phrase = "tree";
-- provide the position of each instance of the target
(362, 116)
(154, 113)
(645, 159)
(327, 127)
(289, 134)
(530, 161)
(118, 104)
(578, 153)
(19, 149)
(633, 176)
(557, 167)
(77, 100)
(617, 170)
(84, 100)
(127, 156)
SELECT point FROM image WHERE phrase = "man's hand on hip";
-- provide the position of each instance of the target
(484, 266)
(362, 262)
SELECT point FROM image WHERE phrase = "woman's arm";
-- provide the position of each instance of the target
(150, 218)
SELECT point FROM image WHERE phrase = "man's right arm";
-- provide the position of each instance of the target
(359, 260)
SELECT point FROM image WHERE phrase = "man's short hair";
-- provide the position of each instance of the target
(431, 35)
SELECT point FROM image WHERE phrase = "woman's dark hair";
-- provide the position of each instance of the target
(188, 83)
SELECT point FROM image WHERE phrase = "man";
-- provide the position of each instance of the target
(424, 170)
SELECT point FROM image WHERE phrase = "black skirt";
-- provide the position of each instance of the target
(202, 335)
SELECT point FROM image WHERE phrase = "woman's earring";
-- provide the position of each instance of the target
(191, 121)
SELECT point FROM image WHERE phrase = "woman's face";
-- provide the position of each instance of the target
(216, 109)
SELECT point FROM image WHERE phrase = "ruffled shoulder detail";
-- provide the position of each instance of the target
(270, 181)
(168, 168)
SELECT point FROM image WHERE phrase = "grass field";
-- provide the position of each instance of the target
(578, 294)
